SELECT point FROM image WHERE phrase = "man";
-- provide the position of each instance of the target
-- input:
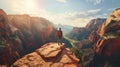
(59, 36)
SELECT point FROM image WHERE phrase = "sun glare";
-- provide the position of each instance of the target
(30, 4)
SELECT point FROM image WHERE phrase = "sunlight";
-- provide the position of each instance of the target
(30, 4)
(33, 8)
(26, 6)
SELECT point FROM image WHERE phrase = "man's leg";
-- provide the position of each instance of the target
(58, 40)
(61, 41)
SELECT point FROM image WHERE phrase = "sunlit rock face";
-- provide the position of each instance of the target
(20, 20)
(33, 31)
(93, 26)
(49, 55)
(32, 25)
(111, 24)
(107, 46)
(110, 29)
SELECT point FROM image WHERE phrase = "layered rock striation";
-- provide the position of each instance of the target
(107, 47)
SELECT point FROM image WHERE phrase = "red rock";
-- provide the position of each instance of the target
(109, 41)
(50, 50)
(57, 65)
(93, 37)
(111, 24)
(58, 56)
(8, 54)
(68, 57)
(20, 20)
(112, 46)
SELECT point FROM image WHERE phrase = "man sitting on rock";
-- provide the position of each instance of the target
(59, 36)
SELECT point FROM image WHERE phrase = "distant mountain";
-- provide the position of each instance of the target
(65, 28)
(79, 33)
(94, 24)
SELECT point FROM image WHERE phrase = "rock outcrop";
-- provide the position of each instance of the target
(49, 55)
(111, 24)
(107, 47)
(110, 30)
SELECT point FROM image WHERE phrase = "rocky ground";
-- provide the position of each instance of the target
(49, 55)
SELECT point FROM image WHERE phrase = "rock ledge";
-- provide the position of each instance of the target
(49, 55)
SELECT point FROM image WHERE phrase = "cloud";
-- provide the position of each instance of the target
(84, 14)
(62, 1)
(94, 11)
(80, 22)
(70, 18)
(95, 2)
(73, 18)
(30, 7)
(77, 19)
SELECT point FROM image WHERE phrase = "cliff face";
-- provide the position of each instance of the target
(44, 27)
(8, 49)
(107, 46)
(110, 29)
(49, 55)
(22, 34)
(33, 31)
(19, 20)
(93, 26)
(111, 24)
(22, 24)
(93, 37)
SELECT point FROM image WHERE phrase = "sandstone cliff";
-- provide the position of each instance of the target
(107, 47)
(49, 55)
(93, 26)
(8, 52)
(110, 29)
(22, 34)
(33, 31)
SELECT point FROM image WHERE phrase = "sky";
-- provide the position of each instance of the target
(75, 13)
